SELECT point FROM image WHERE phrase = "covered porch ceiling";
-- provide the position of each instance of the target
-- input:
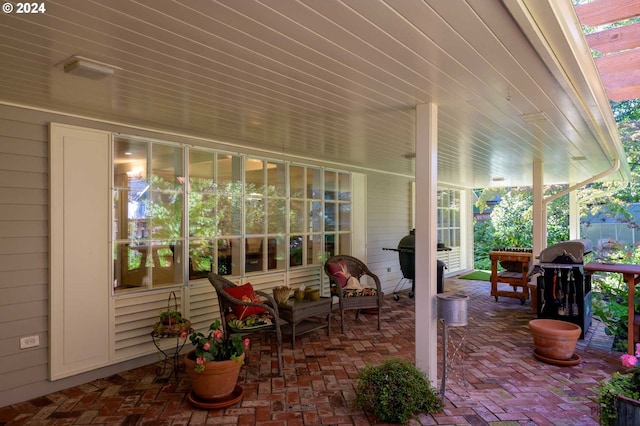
(335, 81)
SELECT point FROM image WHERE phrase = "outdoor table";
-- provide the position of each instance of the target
(631, 275)
(299, 314)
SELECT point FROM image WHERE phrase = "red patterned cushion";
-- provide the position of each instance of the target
(246, 294)
(340, 271)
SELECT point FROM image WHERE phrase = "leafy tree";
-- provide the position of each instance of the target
(483, 236)
(611, 198)
(512, 218)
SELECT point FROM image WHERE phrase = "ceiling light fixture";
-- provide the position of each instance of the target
(88, 68)
(579, 158)
(498, 179)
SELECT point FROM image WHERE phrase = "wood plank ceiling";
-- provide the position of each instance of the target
(331, 81)
(618, 48)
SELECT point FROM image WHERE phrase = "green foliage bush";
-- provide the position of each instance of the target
(395, 391)
(483, 244)
(511, 221)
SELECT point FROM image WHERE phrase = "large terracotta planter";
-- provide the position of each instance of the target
(217, 381)
(554, 339)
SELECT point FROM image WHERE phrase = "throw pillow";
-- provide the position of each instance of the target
(340, 271)
(246, 294)
(353, 284)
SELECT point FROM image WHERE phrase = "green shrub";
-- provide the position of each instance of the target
(395, 391)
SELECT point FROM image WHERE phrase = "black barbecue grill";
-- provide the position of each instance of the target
(406, 256)
(563, 289)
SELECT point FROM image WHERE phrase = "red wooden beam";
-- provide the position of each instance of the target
(620, 80)
(620, 62)
(602, 12)
(623, 93)
(615, 39)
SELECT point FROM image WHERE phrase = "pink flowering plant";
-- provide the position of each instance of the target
(620, 384)
(631, 362)
(216, 346)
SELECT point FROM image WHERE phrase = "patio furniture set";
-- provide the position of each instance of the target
(245, 310)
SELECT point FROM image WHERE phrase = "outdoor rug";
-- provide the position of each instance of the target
(477, 275)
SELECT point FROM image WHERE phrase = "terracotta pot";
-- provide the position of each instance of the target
(218, 379)
(553, 338)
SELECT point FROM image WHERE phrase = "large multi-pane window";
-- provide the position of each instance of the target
(449, 218)
(148, 194)
(337, 212)
(228, 213)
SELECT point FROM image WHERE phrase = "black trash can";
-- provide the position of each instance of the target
(441, 266)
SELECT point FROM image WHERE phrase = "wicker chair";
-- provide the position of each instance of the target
(226, 303)
(347, 299)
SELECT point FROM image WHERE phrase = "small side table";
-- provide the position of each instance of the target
(180, 342)
(300, 313)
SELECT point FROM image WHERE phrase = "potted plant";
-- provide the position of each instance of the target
(214, 365)
(395, 391)
(170, 317)
(618, 397)
(171, 323)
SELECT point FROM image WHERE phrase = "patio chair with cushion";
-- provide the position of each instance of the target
(245, 310)
(356, 287)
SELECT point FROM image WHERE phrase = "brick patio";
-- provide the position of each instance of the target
(495, 380)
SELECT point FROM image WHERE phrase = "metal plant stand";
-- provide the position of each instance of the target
(166, 356)
(451, 353)
(452, 312)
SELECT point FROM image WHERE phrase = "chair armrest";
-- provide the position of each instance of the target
(270, 302)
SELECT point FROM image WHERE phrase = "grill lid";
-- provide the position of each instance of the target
(566, 252)
(408, 242)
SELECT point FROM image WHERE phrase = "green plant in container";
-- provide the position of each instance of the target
(395, 391)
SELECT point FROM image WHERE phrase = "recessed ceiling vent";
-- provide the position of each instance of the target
(535, 117)
(88, 68)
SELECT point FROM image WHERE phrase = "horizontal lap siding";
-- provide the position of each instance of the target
(203, 306)
(23, 249)
(388, 220)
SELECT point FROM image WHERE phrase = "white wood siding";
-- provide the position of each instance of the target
(388, 220)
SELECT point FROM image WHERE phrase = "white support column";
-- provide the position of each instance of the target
(574, 216)
(426, 327)
(539, 209)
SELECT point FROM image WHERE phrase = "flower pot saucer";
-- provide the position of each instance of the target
(574, 360)
(211, 404)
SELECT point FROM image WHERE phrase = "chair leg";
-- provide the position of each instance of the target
(342, 320)
(379, 315)
(279, 351)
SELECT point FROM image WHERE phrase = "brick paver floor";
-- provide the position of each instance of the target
(492, 377)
